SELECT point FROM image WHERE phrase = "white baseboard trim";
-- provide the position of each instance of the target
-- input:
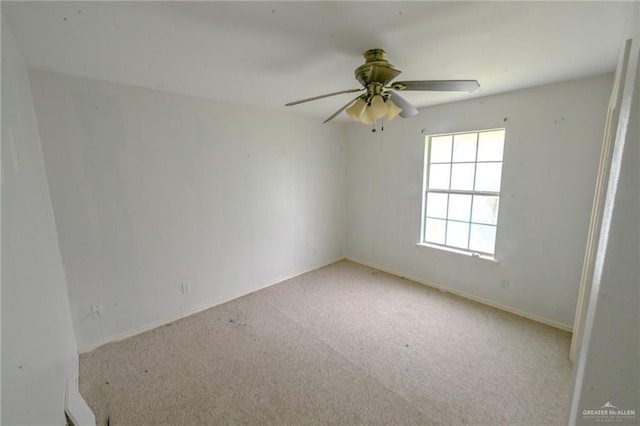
(199, 309)
(465, 295)
(206, 306)
(75, 407)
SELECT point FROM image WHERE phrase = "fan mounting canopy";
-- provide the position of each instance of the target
(376, 69)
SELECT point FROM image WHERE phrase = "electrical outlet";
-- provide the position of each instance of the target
(504, 283)
(96, 310)
(186, 288)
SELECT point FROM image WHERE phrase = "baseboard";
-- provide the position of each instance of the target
(199, 309)
(206, 306)
(76, 409)
(505, 308)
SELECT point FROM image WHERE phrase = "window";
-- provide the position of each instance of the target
(462, 190)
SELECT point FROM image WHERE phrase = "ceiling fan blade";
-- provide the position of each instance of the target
(438, 85)
(408, 110)
(324, 96)
(335, 114)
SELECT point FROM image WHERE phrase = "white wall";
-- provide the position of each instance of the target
(152, 189)
(551, 155)
(38, 345)
(607, 366)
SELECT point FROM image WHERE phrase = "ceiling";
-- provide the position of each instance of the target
(265, 54)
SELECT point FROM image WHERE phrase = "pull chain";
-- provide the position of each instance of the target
(373, 129)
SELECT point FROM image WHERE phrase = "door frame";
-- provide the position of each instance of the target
(597, 210)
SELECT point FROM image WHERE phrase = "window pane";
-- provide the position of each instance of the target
(441, 149)
(439, 176)
(457, 234)
(488, 176)
(483, 238)
(485, 209)
(462, 176)
(459, 207)
(490, 146)
(464, 147)
(434, 231)
(437, 205)
(464, 173)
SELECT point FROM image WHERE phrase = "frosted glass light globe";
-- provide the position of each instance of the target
(392, 110)
(378, 107)
(355, 110)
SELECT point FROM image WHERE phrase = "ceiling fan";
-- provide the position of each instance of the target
(381, 99)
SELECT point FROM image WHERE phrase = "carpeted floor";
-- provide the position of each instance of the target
(342, 345)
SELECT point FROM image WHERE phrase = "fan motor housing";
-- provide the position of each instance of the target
(376, 69)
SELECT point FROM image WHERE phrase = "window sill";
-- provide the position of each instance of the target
(462, 252)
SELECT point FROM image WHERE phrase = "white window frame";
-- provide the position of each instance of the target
(426, 191)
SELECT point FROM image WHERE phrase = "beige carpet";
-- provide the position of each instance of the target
(342, 345)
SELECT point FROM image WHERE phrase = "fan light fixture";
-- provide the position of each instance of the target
(367, 110)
